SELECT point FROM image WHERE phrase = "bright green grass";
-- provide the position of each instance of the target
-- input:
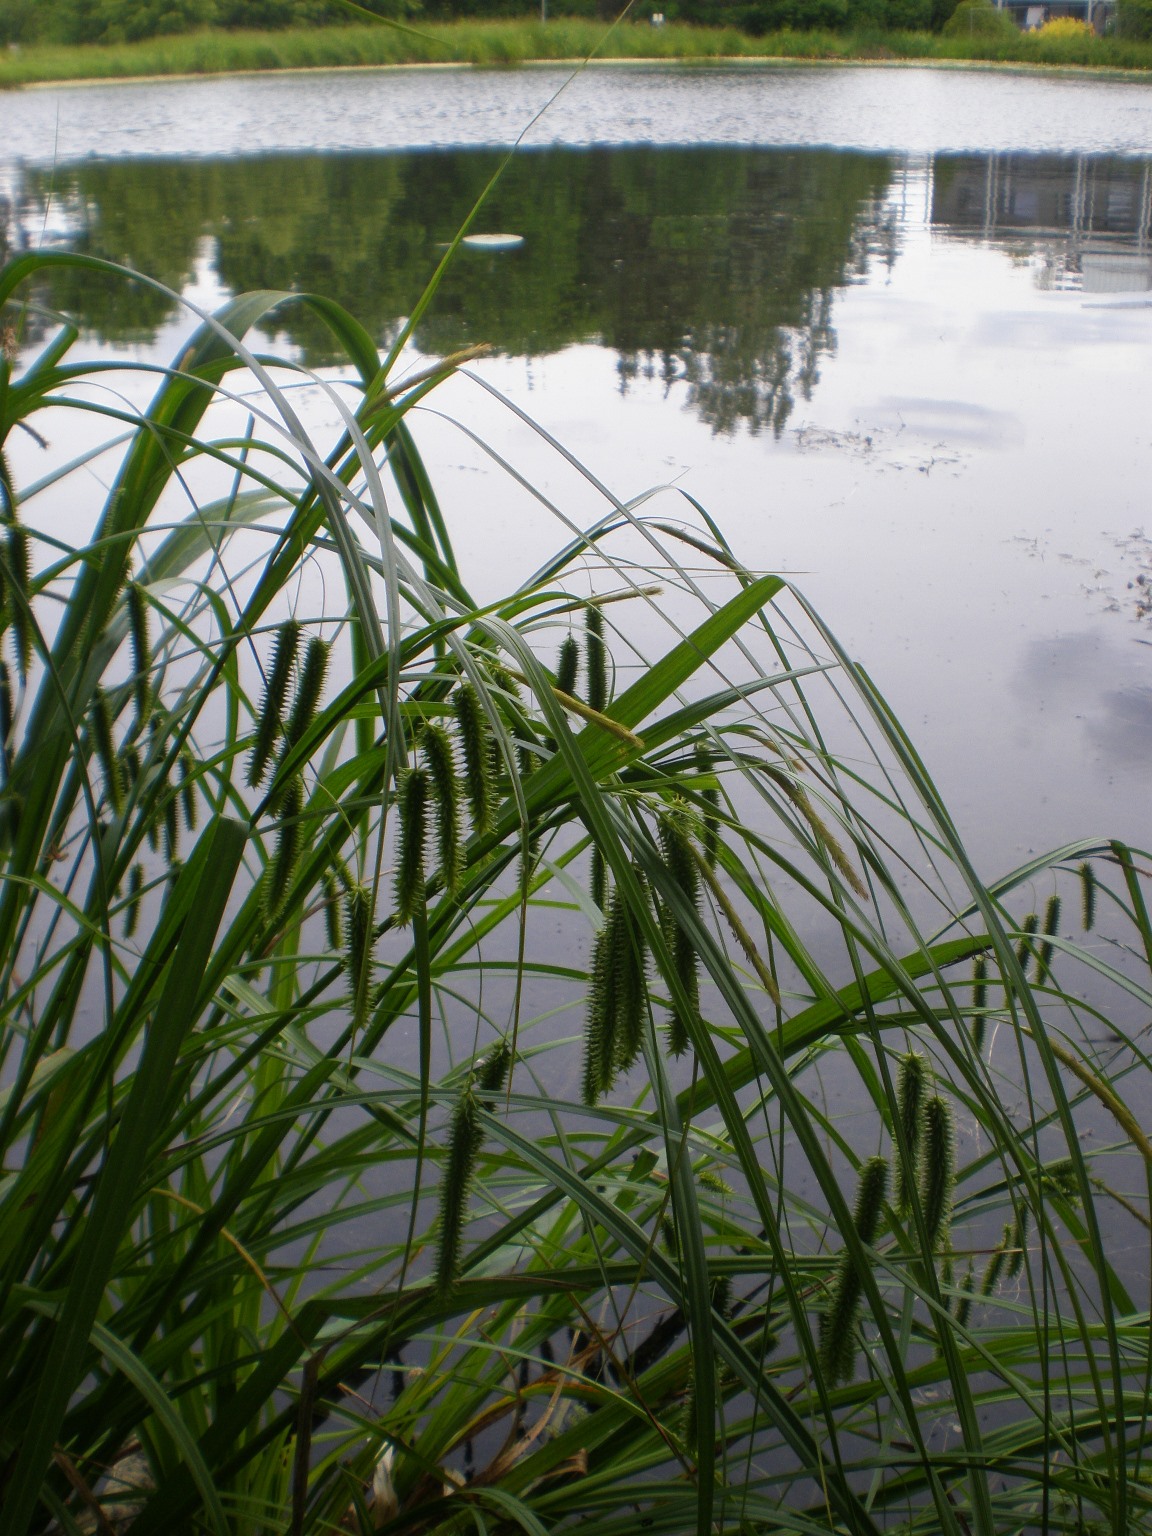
(513, 42)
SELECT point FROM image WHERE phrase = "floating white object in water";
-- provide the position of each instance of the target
(493, 242)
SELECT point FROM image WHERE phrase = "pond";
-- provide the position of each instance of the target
(892, 327)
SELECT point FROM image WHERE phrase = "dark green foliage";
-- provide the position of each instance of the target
(596, 657)
(476, 749)
(937, 1166)
(104, 748)
(568, 665)
(141, 653)
(412, 803)
(911, 1082)
(1087, 896)
(445, 786)
(681, 867)
(1044, 954)
(118, 21)
(308, 691)
(276, 686)
(1135, 19)
(839, 1319)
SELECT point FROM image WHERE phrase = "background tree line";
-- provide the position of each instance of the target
(112, 21)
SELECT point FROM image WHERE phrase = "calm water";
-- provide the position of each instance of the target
(891, 326)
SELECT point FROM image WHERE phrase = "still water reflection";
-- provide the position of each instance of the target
(918, 383)
(712, 269)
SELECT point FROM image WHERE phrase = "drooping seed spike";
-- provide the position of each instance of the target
(358, 954)
(1087, 896)
(141, 652)
(937, 1166)
(465, 1139)
(492, 1072)
(333, 911)
(681, 867)
(689, 1414)
(870, 1193)
(1017, 1246)
(596, 658)
(568, 665)
(979, 1002)
(445, 785)
(911, 1084)
(600, 1019)
(132, 907)
(413, 808)
(476, 749)
(1027, 929)
(710, 794)
(270, 720)
(171, 828)
(838, 1322)
(1044, 954)
(630, 992)
(309, 688)
(104, 747)
(133, 766)
(598, 878)
(20, 594)
(996, 1265)
(283, 865)
(7, 709)
(964, 1304)
(188, 790)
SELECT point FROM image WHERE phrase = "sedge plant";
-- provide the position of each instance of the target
(336, 1196)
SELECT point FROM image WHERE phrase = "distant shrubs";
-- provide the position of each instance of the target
(1066, 27)
(979, 18)
(1134, 18)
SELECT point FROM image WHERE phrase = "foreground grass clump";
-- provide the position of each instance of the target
(336, 1195)
(973, 38)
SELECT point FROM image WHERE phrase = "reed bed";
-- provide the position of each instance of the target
(801, 1186)
(514, 42)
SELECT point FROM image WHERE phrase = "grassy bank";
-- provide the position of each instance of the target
(514, 42)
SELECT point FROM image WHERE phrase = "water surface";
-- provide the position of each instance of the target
(890, 326)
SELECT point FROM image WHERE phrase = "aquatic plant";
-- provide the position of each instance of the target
(340, 1195)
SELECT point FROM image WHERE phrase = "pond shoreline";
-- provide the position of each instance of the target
(692, 62)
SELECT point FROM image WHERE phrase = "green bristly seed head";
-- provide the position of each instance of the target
(476, 747)
(1027, 929)
(596, 658)
(441, 760)
(104, 748)
(465, 1139)
(270, 719)
(138, 630)
(568, 665)
(911, 1083)
(358, 955)
(1087, 896)
(308, 691)
(1044, 954)
(492, 1072)
(413, 809)
(937, 1166)
(18, 581)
